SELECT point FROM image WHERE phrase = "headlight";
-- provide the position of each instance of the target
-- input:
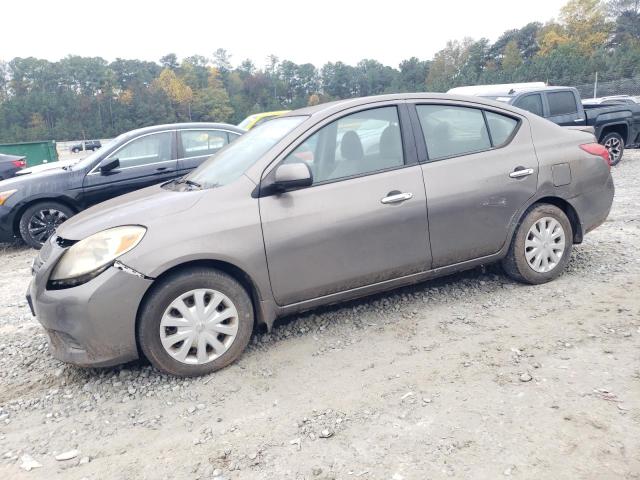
(93, 255)
(6, 194)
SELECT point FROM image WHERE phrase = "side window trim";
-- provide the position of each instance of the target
(421, 141)
(408, 141)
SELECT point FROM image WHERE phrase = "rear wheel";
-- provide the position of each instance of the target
(541, 247)
(196, 321)
(614, 143)
(39, 221)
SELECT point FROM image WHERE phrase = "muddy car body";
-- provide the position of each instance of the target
(295, 214)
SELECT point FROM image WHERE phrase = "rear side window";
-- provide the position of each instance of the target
(531, 103)
(501, 127)
(450, 130)
(198, 143)
(561, 103)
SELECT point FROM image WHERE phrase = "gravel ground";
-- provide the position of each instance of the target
(470, 376)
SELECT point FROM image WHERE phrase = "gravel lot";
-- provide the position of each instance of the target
(470, 376)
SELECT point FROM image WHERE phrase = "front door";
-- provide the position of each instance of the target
(364, 219)
(144, 161)
(481, 170)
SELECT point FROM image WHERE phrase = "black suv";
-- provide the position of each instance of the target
(92, 145)
(33, 205)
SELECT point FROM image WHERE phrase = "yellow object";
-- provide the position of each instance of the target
(258, 118)
(5, 195)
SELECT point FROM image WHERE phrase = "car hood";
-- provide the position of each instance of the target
(47, 166)
(37, 181)
(142, 207)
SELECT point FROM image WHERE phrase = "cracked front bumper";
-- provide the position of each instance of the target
(92, 324)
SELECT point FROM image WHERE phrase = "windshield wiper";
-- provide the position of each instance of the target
(188, 182)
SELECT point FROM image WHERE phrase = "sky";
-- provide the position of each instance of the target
(301, 31)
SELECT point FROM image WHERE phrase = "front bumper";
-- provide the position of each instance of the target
(6, 225)
(92, 324)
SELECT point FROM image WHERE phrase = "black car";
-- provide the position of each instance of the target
(33, 205)
(10, 164)
(92, 145)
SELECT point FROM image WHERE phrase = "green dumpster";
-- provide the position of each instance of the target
(36, 152)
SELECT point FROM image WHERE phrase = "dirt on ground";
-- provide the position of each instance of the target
(469, 376)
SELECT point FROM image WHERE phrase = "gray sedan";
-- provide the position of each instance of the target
(321, 205)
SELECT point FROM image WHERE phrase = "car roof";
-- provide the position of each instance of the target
(338, 105)
(183, 126)
(7, 157)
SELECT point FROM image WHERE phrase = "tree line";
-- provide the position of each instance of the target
(89, 97)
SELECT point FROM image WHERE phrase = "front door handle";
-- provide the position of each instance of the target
(394, 197)
(521, 172)
(161, 169)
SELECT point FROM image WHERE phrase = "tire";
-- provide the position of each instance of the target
(614, 143)
(158, 308)
(50, 214)
(521, 262)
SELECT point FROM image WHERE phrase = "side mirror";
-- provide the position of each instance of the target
(290, 176)
(109, 165)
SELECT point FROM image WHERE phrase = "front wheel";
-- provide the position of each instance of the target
(614, 143)
(39, 221)
(541, 247)
(194, 322)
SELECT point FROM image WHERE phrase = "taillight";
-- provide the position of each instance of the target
(599, 150)
(19, 163)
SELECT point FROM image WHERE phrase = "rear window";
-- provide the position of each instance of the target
(561, 103)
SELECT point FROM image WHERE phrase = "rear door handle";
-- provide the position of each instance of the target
(396, 197)
(521, 172)
(161, 169)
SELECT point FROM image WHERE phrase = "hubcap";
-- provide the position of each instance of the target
(199, 326)
(544, 245)
(44, 222)
(614, 146)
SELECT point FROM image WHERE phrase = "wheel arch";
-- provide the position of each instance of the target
(20, 211)
(230, 269)
(563, 205)
(621, 129)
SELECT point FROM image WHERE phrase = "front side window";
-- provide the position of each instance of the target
(152, 148)
(561, 103)
(357, 144)
(451, 130)
(197, 143)
(230, 163)
(531, 103)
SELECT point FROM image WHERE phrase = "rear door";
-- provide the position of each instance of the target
(479, 169)
(144, 160)
(364, 219)
(196, 145)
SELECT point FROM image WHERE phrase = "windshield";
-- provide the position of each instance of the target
(247, 121)
(232, 161)
(88, 160)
